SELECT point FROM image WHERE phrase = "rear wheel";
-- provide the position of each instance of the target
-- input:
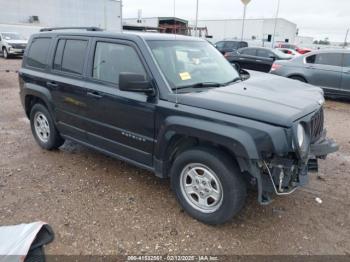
(299, 78)
(208, 185)
(43, 128)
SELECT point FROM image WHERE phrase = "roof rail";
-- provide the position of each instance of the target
(48, 29)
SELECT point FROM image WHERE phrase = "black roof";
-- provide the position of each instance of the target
(128, 35)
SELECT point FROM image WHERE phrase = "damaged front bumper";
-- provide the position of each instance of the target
(283, 175)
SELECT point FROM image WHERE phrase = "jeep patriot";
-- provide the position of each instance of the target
(173, 105)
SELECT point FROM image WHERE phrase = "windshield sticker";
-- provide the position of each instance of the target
(185, 76)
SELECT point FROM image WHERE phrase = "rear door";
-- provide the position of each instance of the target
(325, 70)
(119, 122)
(247, 58)
(264, 60)
(67, 85)
(345, 85)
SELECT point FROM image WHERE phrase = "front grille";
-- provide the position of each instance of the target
(18, 46)
(317, 122)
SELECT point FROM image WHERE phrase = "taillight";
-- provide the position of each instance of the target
(275, 67)
(226, 54)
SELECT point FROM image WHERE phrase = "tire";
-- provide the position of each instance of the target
(5, 54)
(299, 78)
(191, 168)
(43, 128)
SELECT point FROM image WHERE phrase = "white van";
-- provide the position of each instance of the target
(12, 44)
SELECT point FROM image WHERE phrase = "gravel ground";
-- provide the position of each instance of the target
(102, 206)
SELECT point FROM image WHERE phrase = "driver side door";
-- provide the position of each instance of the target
(120, 122)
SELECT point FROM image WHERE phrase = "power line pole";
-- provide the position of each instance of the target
(121, 15)
(346, 38)
(196, 25)
(275, 27)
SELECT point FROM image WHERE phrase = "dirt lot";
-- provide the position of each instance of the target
(99, 205)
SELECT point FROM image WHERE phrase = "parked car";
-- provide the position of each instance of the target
(300, 50)
(329, 69)
(12, 44)
(173, 105)
(288, 51)
(303, 50)
(256, 58)
(228, 46)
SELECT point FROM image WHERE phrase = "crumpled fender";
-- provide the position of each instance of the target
(235, 139)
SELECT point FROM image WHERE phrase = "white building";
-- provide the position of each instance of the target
(28, 16)
(304, 40)
(256, 30)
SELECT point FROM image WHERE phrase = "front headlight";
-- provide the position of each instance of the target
(301, 136)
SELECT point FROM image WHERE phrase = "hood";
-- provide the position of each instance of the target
(10, 42)
(263, 97)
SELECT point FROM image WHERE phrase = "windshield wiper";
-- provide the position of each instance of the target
(232, 81)
(200, 85)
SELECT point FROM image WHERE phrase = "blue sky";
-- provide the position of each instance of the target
(317, 18)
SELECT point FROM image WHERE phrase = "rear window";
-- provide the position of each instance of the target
(250, 51)
(264, 53)
(38, 53)
(70, 56)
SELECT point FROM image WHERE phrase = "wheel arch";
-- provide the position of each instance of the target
(36, 94)
(298, 75)
(182, 133)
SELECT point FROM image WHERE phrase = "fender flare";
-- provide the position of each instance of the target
(40, 92)
(235, 139)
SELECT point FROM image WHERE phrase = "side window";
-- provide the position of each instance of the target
(249, 51)
(38, 52)
(70, 56)
(346, 60)
(332, 59)
(112, 59)
(243, 44)
(220, 44)
(311, 59)
(264, 53)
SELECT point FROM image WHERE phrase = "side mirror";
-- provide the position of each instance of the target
(135, 83)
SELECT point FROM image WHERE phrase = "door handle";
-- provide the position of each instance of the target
(258, 60)
(94, 94)
(52, 84)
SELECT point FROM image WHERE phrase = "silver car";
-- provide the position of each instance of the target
(328, 69)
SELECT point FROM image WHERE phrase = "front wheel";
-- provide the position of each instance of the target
(208, 185)
(5, 53)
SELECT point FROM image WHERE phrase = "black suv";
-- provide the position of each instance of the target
(227, 46)
(174, 105)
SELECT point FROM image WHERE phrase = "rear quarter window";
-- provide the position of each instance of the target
(38, 53)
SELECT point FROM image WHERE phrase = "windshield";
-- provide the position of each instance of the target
(12, 36)
(189, 63)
